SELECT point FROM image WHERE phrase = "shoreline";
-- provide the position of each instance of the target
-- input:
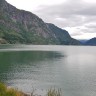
(9, 91)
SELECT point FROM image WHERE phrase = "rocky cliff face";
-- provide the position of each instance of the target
(19, 26)
(62, 35)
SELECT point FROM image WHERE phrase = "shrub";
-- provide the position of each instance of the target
(54, 92)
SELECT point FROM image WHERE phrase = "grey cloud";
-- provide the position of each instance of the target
(69, 14)
(89, 30)
(76, 34)
(70, 7)
(92, 25)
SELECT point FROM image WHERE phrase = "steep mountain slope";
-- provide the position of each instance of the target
(62, 35)
(19, 26)
(91, 42)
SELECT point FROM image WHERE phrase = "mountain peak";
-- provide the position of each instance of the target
(19, 26)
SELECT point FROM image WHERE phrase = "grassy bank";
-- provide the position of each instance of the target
(5, 91)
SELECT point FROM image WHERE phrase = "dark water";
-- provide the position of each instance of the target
(71, 68)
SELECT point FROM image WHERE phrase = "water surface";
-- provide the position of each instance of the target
(71, 68)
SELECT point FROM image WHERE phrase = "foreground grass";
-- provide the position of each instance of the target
(54, 92)
(4, 91)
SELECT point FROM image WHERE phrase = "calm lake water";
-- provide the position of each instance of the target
(71, 68)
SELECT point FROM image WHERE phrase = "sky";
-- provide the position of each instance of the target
(78, 17)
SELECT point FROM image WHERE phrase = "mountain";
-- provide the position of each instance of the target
(62, 35)
(83, 41)
(19, 26)
(91, 42)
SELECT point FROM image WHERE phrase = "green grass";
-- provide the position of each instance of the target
(54, 92)
(5, 91)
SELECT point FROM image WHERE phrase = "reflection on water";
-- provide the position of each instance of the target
(71, 68)
(13, 62)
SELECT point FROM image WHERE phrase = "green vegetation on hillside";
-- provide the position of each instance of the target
(19, 26)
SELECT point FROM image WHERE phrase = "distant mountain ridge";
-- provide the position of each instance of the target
(91, 42)
(19, 26)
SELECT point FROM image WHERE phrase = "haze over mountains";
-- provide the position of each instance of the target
(19, 26)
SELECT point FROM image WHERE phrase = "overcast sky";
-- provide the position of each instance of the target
(78, 17)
